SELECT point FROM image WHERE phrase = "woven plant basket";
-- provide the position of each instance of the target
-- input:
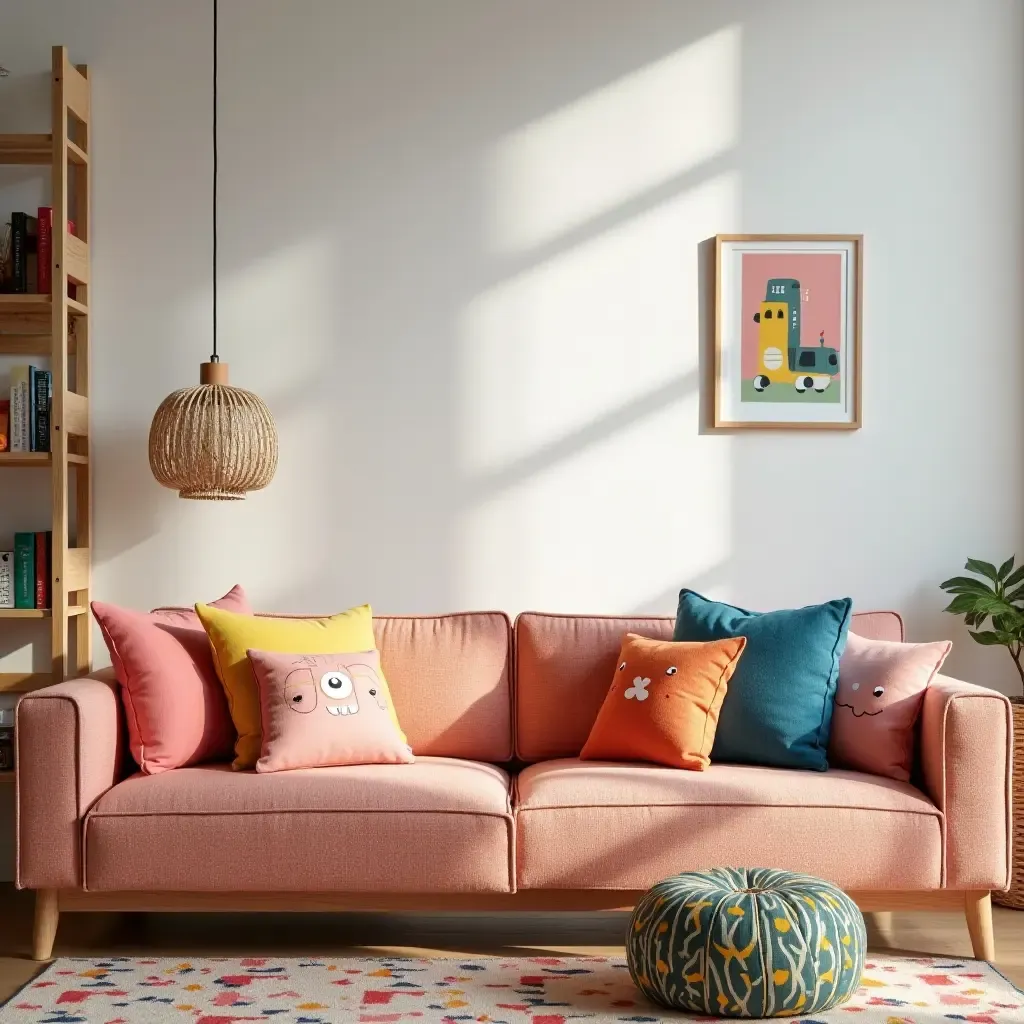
(1014, 896)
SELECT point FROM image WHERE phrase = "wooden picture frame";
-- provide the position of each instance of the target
(768, 373)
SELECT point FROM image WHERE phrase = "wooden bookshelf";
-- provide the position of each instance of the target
(56, 327)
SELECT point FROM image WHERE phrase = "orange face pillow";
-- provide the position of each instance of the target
(664, 702)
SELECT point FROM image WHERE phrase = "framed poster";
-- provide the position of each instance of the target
(787, 332)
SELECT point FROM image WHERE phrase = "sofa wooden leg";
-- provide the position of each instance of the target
(978, 908)
(883, 926)
(44, 930)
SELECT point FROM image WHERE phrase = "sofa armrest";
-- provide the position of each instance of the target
(966, 742)
(68, 754)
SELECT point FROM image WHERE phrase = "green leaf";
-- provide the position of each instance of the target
(982, 569)
(964, 603)
(975, 618)
(1015, 577)
(1009, 622)
(1015, 595)
(994, 606)
(1004, 569)
(964, 584)
(991, 639)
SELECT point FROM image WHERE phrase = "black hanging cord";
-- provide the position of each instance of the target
(215, 358)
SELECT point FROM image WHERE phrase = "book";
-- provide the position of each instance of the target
(32, 414)
(6, 750)
(6, 579)
(19, 253)
(5, 259)
(5, 424)
(20, 411)
(44, 255)
(42, 394)
(44, 542)
(24, 570)
(31, 254)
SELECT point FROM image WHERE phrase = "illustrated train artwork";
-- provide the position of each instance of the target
(781, 359)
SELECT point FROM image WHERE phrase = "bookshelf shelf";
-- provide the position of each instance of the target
(33, 460)
(26, 149)
(24, 460)
(7, 777)
(22, 304)
(38, 613)
(56, 327)
(24, 344)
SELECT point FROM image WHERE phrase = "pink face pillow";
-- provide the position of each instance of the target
(881, 690)
(320, 710)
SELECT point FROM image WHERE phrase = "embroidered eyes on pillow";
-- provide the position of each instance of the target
(881, 689)
(320, 710)
(664, 702)
(303, 693)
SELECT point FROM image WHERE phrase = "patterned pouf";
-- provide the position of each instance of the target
(746, 942)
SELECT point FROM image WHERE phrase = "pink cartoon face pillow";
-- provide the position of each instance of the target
(325, 709)
(881, 690)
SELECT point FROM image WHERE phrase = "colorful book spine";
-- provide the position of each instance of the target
(45, 246)
(42, 394)
(19, 253)
(5, 424)
(31, 254)
(32, 413)
(24, 570)
(6, 579)
(20, 411)
(43, 568)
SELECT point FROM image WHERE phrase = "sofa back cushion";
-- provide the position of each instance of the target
(451, 681)
(564, 665)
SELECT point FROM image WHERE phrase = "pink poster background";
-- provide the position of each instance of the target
(820, 277)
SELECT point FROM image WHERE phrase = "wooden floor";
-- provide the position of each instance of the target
(420, 935)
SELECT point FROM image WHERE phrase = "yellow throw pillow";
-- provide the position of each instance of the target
(232, 635)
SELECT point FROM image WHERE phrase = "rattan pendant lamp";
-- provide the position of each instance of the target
(213, 441)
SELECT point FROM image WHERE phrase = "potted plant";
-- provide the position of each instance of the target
(996, 596)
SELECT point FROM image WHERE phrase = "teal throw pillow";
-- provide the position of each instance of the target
(778, 709)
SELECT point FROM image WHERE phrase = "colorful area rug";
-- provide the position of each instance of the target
(527, 990)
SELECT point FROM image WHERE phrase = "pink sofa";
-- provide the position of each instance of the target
(498, 812)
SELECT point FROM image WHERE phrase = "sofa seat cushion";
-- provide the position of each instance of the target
(439, 825)
(601, 825)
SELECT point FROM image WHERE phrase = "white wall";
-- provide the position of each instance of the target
(460, 261)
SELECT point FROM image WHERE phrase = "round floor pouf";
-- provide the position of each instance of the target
(746, 942)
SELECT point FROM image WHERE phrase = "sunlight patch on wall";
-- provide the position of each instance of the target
(586, 475)
(25, 647)
(624, 520)
(616, 143)
(549, 353)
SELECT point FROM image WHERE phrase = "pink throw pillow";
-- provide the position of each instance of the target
(175, 705)
(320, 710)
(881, 690)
